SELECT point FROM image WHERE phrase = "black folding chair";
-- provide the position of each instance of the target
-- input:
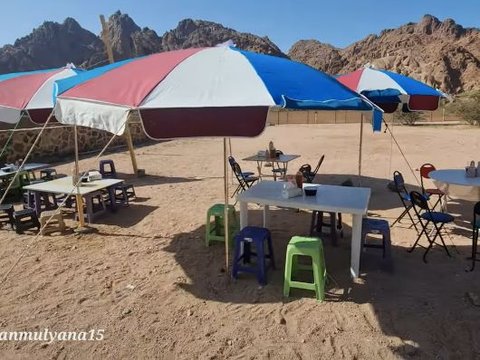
(425, 217)
(245, 179)
(475, 230)
(404, 198)
(306, 170)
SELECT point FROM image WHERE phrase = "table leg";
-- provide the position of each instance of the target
(243, 214)
(356, 245)
(266, 208)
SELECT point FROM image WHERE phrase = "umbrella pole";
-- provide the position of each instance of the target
(360, 152)
(131, 150)
(76, 180)
(225, 212)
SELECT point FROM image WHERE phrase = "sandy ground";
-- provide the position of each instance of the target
(148, 280)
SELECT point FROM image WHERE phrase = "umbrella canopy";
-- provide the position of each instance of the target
(387, 89)
(30, 91)
(220, 91)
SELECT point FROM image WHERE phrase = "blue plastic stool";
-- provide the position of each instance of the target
(378, 227)
(259, 237)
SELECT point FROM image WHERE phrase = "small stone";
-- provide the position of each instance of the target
(37, 259)
(74, 247)
(281, 320)
(302, 341)
(130, 287)
(412, 347)
(229, 342)
(474, 299)
(126, 312)
(189, 312)
(44, 345)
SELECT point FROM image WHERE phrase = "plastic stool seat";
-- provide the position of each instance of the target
(260, 238)
(313, 248)
(214, 231)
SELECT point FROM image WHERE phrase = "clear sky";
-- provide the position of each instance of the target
(338, 22)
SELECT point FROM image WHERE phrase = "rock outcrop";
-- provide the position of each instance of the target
(440, 53)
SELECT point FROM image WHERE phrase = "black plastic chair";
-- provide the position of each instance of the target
(306, 170)
(278, 170)
(404, 198)
(438, 220)
(244, 180)
(475, 230)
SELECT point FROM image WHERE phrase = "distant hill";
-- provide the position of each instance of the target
(440, 53)
(54, 45)
(443, 54)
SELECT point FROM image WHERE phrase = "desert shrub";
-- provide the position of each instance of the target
(408, 118)
(467, 106)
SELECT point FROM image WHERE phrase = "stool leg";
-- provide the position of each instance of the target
(318, 277)
(288, 274)
(313, 223)
(270, 251)
(236, 258)
(319, 221)
(207, 230)
(261, 268)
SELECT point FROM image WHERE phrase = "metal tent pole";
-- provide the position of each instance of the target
(225, 212)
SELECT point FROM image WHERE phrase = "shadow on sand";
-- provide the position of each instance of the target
(416, 303)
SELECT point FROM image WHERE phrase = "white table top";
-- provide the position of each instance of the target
(331, 198)
(454, 176)
(282, 158)
(64, 186)
(26, 167)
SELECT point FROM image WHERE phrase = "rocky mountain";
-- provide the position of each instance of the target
(440, 53)
(54, 45)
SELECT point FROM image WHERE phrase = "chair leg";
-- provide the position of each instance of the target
(474, 248)
(441, 238)
(418, 238)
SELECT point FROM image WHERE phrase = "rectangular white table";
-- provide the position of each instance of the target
(329, 198)
(29, 167)
(282, 160)
(64, 186)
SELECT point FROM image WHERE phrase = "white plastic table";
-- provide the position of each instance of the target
(455, 184)
(27, 167)
(331, 198)
(64, 186)
(282, 160)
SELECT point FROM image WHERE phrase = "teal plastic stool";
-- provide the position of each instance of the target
(214, 230)
(305, 246)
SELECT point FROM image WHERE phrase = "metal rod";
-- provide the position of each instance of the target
(360, 151)
(76, 181)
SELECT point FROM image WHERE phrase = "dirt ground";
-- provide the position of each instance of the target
(147, 279)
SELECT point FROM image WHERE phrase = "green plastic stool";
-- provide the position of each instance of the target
(214, 230)
(305, 246)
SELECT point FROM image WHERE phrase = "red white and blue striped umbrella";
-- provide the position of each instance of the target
(220, 91)
(388, 89)
(30, 92)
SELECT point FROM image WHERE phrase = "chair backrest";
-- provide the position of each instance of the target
(231, 160)
(237, 170)
(319, 164)
(399, 182)
(425, 171)
(419, 200)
